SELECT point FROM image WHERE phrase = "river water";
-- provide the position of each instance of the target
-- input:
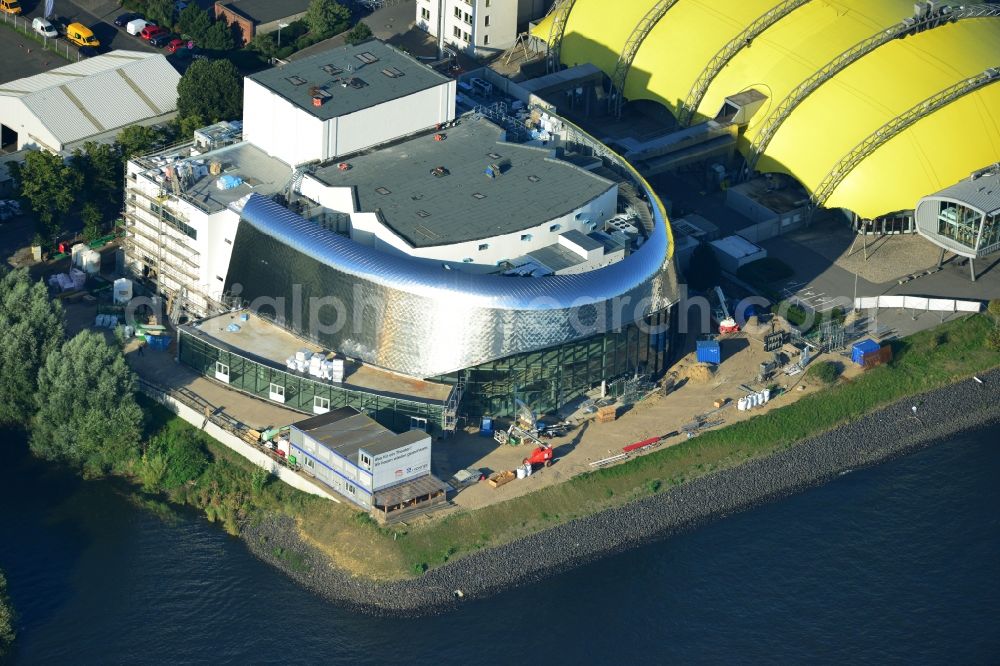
(900, 562)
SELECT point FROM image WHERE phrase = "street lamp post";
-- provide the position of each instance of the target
(280, 26)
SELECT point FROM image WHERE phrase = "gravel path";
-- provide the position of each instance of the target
(877, 437)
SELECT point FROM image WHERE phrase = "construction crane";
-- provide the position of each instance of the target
(726, 323)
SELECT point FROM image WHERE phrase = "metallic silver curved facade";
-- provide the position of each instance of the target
(412, 317)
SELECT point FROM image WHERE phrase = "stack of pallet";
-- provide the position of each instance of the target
(607, 414)
(497, 479)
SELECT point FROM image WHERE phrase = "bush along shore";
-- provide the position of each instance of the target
(7, 634)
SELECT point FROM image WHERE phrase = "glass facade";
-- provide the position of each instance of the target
(547, 379)
(959, 223)
(301, 392)
(991, 234)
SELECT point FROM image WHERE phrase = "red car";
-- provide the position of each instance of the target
(176, 45)
(151, 31)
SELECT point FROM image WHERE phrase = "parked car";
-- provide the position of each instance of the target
(136, 26)
(10, 6)
(151, 31)
(160, 40)
(124, 19)
(178, 44)
(81, 35)
(44, 27)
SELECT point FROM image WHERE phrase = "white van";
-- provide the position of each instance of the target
(44, 27)
(136, 26)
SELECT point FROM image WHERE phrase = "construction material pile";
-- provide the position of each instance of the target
(71, 281)
(316, 365)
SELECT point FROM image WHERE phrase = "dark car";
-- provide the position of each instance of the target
(125, 19)
(161, 39)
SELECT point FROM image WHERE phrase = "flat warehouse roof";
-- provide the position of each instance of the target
(464, 203)
(346, 431)
(349, 78)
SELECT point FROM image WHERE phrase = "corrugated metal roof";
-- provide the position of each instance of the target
(981, 193)
(99, 94)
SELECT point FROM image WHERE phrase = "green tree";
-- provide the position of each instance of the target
(218, 37)
(161, 12)
(100, 169)
(194, 22)
(31, 327)
(137, 140)
(359, 33)
(50, 185)
(92, 221)
(327, 17)
(265, 44)
(87, 414)
(825, 371)
(704, 271)
(210, 89)
(7, 634)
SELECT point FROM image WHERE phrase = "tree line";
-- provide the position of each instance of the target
(75, 396)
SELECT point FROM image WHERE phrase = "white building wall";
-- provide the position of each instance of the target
(31, 133)
(366, 228)
(473, 35)
(278, 127)
(390, 120)
(340, 199)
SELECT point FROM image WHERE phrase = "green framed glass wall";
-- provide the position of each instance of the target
(256, 378)
(550, 378)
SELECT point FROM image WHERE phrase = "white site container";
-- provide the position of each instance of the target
(91, 260)
(122, 291)
(76, 252)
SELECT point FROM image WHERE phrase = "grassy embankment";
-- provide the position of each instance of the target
(922, 362)
(6, 619)
(231, 489)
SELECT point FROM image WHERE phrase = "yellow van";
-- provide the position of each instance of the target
(10, 6)
(81, 35)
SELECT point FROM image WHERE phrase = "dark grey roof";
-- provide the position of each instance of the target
(353, 77)
(345, 431)
(583, 240)
(265, 11)
(555, 257)
(983, 193)
(427, 210)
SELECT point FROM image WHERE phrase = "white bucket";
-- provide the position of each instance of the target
(520, 472)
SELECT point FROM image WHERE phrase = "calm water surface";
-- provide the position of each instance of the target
(895, 563)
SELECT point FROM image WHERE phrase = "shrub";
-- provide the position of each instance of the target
(824, 371)
(993, 339)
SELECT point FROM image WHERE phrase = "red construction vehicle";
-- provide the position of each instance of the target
(540, 456)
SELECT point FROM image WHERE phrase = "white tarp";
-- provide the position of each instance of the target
(915, 302)
(968, 306)
(892, 301)
(867, 303)
(941, 304)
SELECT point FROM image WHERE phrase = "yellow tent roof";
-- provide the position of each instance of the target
(933, 153)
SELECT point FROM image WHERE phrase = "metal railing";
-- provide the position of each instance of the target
(910, 25)
(60, 47)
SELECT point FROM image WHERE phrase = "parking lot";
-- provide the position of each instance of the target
(22, 57)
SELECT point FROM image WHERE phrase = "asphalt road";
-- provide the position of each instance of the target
(23, 57)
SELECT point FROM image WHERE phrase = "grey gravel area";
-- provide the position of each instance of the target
(872, 439)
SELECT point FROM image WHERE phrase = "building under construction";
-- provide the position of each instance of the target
(456, 260)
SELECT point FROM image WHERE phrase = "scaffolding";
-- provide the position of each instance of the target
(560, 15)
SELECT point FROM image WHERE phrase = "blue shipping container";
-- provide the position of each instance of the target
(708, 352)
(859, 350)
